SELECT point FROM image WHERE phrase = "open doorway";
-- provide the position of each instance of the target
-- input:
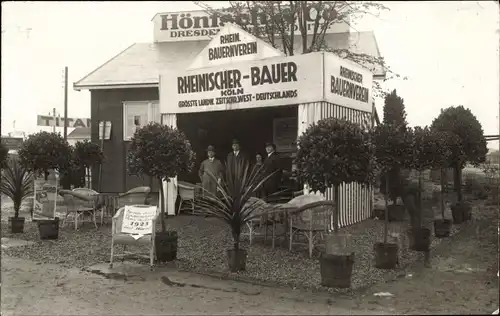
(252, 127)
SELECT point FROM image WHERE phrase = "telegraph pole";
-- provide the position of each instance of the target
(65, 102)
(55, 122)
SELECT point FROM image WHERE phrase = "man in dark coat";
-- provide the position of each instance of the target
(236, 158)
(272, 165)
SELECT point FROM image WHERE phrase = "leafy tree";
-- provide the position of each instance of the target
(278, 17)
(469, 145)
(44, 151)
(332, 152)
(87, 154)
(395, 115)
(4, 153)
(17, 183)
(392, 148)
(394, 110)
(162, 152)
(429, 150)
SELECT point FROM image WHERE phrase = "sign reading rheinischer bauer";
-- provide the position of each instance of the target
(347, 84)
(260, 83)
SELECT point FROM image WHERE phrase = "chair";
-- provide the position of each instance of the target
(93, 198)
(187, 193)
(125, 239)
(79, 207)
(312, 220)
(253, 225)
(138, 195)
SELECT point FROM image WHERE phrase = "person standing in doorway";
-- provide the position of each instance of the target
(210, 172)
(257, 172)
(236, 160)
(272, 165)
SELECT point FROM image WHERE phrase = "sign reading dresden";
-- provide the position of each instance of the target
(260, 83)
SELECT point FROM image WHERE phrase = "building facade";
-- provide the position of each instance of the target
(140, 85)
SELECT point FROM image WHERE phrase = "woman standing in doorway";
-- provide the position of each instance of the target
(210, 172)
(257, 171)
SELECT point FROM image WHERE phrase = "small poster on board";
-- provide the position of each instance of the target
(138, 220)
(43, 207)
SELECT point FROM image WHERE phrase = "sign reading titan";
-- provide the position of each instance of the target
(202, 25)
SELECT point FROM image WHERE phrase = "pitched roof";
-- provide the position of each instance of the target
(141, 63)
(81, 132)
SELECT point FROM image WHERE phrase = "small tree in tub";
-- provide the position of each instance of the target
(331, 152)
(162, 152)
(392, 147)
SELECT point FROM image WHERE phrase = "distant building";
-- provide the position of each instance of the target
(78, 135)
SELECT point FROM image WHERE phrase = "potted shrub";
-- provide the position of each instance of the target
(40, 153)
(391, 149)
(162, 152)
(394, 115)
(236, 205)
(17, 184)
(87, 155)
(468, 146)
(427, 152)
(333, 152)
(442, 226)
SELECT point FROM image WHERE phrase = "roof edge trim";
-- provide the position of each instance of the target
(115, 86)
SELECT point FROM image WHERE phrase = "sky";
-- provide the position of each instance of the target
(448, 50)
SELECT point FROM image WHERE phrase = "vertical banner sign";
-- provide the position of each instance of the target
(138, 220)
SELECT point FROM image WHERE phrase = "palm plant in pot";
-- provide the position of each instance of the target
(391, 149)
(332, 152)
(40, 153)
(17, 184)
(161, 152)
(236, 205)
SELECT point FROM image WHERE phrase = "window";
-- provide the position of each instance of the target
(137, 114)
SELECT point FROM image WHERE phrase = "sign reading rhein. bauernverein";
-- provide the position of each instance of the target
(232, 45)
(261, 83)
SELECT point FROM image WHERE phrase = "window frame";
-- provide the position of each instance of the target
(149, 103)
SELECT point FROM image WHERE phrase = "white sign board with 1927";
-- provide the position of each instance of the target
(260, 83)
(138, 219)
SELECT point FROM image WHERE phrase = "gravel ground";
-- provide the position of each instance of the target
(202, 246)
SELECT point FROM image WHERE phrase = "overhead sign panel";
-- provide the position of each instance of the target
(261, 83)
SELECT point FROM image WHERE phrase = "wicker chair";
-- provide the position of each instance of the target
(79, 206)
(119, 238)
(312, 220)
(93, 197)
(187, 192)
(135, 196)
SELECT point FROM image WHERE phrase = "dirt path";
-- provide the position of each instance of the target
(461, 280)
(29, 288)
